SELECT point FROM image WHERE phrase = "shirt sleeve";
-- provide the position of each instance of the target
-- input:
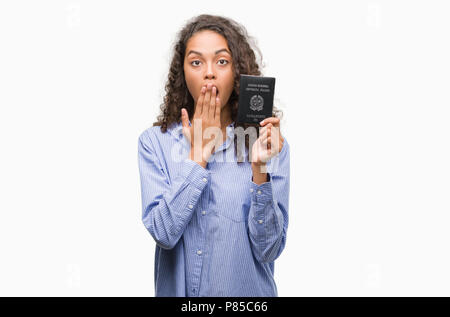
(167, 205)
(268, 215)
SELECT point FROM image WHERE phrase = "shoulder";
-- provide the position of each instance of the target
(154, 135)
(149, 132)
(146, 135)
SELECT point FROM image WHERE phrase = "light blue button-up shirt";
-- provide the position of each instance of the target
(217, 233)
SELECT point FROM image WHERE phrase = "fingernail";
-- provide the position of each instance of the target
(261, 122)
(203, 89)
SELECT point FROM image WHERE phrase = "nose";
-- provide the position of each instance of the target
(210, 72)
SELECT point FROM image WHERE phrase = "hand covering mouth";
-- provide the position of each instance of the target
(217, 91)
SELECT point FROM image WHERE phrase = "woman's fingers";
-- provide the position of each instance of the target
(269, 140)
(262, 130)
(265, 145)
(269, 134)
(205, 112)
(274, 120)
(184, 118)
(264, 134)
(265, 131)
(218, 109)
(208, 104)
(265, 128)
(212, 102)
(199, 106)
(185, 123)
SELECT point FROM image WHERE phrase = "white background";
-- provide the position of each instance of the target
(364, 86)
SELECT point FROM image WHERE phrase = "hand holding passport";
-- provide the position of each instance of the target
(255, 98)
(256, 94)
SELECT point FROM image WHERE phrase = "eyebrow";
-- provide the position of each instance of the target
(217, 52)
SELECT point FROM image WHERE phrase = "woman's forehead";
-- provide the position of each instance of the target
(206, 42)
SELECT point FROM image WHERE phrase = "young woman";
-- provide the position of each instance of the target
(219, 224)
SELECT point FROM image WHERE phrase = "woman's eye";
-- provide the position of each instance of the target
(224, 60)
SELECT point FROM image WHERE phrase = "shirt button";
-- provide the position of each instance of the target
(259, 192)
(204, 179)
(199, 252)
(190, 206)
(251, 190)
(260, 221)
(204, 212)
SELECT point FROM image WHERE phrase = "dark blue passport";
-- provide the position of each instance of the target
(255, 98)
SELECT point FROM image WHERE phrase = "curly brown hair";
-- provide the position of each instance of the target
(244, 62)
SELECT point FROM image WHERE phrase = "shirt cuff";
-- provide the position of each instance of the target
(194, 173)
(261, 194)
